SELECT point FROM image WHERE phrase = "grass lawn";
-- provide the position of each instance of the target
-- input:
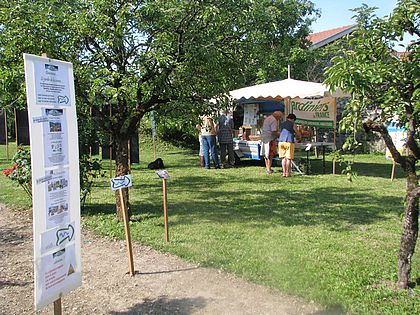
(317, 236)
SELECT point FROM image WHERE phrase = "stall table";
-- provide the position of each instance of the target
(308, 146)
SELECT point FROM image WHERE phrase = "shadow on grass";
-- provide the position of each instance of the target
(338, 208)
(361, 168)
(165, 305)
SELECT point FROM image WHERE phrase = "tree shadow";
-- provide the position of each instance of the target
(5, 283)
(337, 208)
(317, 166)
(13, 236)
(164, 305)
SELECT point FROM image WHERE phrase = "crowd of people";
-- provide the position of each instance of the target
(271, 133)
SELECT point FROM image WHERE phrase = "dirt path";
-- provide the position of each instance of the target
(166, 284)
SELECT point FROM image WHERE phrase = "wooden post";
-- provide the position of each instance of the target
(154, 147)
(165, 209)
(129, 155)
(5, 133)
(127, 235)
(152, 116)
(57, 307)
(16, 130)
(110, 144)
(90, 145)
(393, 170)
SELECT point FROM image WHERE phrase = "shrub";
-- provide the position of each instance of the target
(90, 169)
(21, 170)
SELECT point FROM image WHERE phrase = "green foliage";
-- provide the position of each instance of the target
(90, 170)
(385, 89)
(382, 84)
(20, 173)
(346, 164)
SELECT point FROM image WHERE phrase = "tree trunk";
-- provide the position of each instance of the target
(410, 225)
(121, 165)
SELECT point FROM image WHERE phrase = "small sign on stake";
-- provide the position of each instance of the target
(121, 182)
(164, 175)
(118, 183)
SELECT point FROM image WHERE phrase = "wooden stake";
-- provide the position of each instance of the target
(129, 155)
(393, 169)
(5, 133)
(127, 235)
(16, 130)
(165, 210)
(110, 144)
(154, 147)
(335, 128)
(90, 145)
(57, 307)
(152, 116)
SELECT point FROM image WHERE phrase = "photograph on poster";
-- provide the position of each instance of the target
(51, 84)
(55, 137)
(57, 198)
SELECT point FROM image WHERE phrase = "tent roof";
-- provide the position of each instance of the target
(281, 89)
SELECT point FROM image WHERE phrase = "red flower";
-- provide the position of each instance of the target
(10, 170)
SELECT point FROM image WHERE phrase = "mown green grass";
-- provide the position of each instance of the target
(319, 236)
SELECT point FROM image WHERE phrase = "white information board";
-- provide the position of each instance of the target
(55, 178)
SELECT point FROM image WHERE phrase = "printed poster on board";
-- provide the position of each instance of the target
(57, 198)
(51, 84)
(56, 270)
(55, 178)
(250, 114)
(55, 137)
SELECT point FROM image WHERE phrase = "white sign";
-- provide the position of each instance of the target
(163, 174)
(316, 113)
(121, 182)
(250, 114)
(52, 83)
(55, 178)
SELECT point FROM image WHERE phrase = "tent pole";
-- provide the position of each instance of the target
(335, 129)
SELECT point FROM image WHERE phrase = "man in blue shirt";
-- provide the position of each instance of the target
(287, 144)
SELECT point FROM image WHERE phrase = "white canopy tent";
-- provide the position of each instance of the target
(288, 88)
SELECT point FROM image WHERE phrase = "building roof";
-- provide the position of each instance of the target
(323, 38)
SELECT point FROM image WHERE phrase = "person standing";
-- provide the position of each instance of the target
(225, 137)
(200, 141)
(208, 136)
(287, 143)
(269, 132)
